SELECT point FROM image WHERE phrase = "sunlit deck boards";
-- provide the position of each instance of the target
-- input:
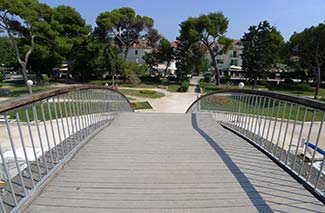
(172, 162)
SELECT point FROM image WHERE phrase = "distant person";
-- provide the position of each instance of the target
(115, 87)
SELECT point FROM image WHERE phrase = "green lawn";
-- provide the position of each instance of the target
(15, 89)
(141, 105)
(143, 93)
(258, 106)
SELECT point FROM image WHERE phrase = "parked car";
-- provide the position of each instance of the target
(7, 75)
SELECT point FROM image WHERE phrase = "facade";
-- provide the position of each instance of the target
(231, 62)
(137, 51)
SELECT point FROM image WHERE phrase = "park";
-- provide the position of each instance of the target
(114, 116)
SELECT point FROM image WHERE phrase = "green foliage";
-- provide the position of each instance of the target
(1, 77)
(209, 30)
(184, 86)
(7, 53)
(262, 45)
(303, 87)
(164, 81)
(123, 26)
(307, 51)
(141, 105)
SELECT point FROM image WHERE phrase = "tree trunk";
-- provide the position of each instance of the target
(214, 64)
(318, 80)
(167, 65)
(254, 82)
(126, 52)
(24, 73)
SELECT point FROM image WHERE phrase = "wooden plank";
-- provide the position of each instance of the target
(160, 162)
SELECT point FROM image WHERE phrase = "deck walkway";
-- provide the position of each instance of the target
(151, 162)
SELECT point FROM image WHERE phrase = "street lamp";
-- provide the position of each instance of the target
(29, 85)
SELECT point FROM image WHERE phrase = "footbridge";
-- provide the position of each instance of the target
(83, 149)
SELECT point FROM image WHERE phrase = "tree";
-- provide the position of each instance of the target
(26, 22)
(73, 33)
(308, 47)
(153, 37)
(262, 45)
(209, 30)
(7, 53)
(124, 26)
(151, 60)
(191, 59)
(165, 52)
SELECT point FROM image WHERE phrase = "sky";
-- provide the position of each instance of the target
(288, 16)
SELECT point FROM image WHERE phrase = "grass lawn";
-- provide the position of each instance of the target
(258, 106)
(141, 105)
(211, 87)
(173, 87)
(143, 93)
(15, 89)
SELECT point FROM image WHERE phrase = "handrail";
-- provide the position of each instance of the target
(42, 131)
(21, 101)
(279, 125)
(291, 98)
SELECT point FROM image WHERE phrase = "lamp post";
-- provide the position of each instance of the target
(29, 85)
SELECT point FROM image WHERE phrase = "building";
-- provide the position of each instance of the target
(230, 63)
(137, 51)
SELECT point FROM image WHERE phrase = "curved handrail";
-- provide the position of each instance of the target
(290, 98)
(288, 129)
(42, 131)
(29, 99)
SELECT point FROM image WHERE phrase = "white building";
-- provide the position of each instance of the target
(231, 62)
(137, 51)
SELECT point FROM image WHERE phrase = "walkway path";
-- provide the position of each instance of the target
(153, 162)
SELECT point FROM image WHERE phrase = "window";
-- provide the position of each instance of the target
(219, 61)
(233, 62)
(234, 54)
(136, 52)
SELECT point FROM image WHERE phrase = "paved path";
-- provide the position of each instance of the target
(151, 162)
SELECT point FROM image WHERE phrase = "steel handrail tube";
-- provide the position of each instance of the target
(264, 119)
(45, 131)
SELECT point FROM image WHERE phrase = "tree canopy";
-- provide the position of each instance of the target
(209, 30)
(308, 47)
(262, 45)
(123, 26)
(26, 22)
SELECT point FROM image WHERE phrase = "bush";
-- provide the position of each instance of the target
(1, 77)
(184, 87)
(164, 81)
(148, 92)
(303, 87)
(45, 79)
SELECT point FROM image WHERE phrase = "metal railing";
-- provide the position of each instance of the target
(288, 129)
(40, 132)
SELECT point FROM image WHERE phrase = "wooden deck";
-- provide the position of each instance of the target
(150, 162)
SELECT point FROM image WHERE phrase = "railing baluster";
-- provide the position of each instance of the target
(15, 155)
(58, 127)
(46, 134)
(40, 137)
(33, 144)
(286, 130)
(316, 145)
(292, 135)
(52, 129)
(280, 130)
(24, 149)
(4, 162)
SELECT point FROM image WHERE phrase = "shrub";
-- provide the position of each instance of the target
(148, 92)
(184, 87)
(45, 79)
(303, 87)
(1, 77)
(164, 81)
(136, 104)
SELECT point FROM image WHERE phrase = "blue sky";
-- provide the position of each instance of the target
(287, 15)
